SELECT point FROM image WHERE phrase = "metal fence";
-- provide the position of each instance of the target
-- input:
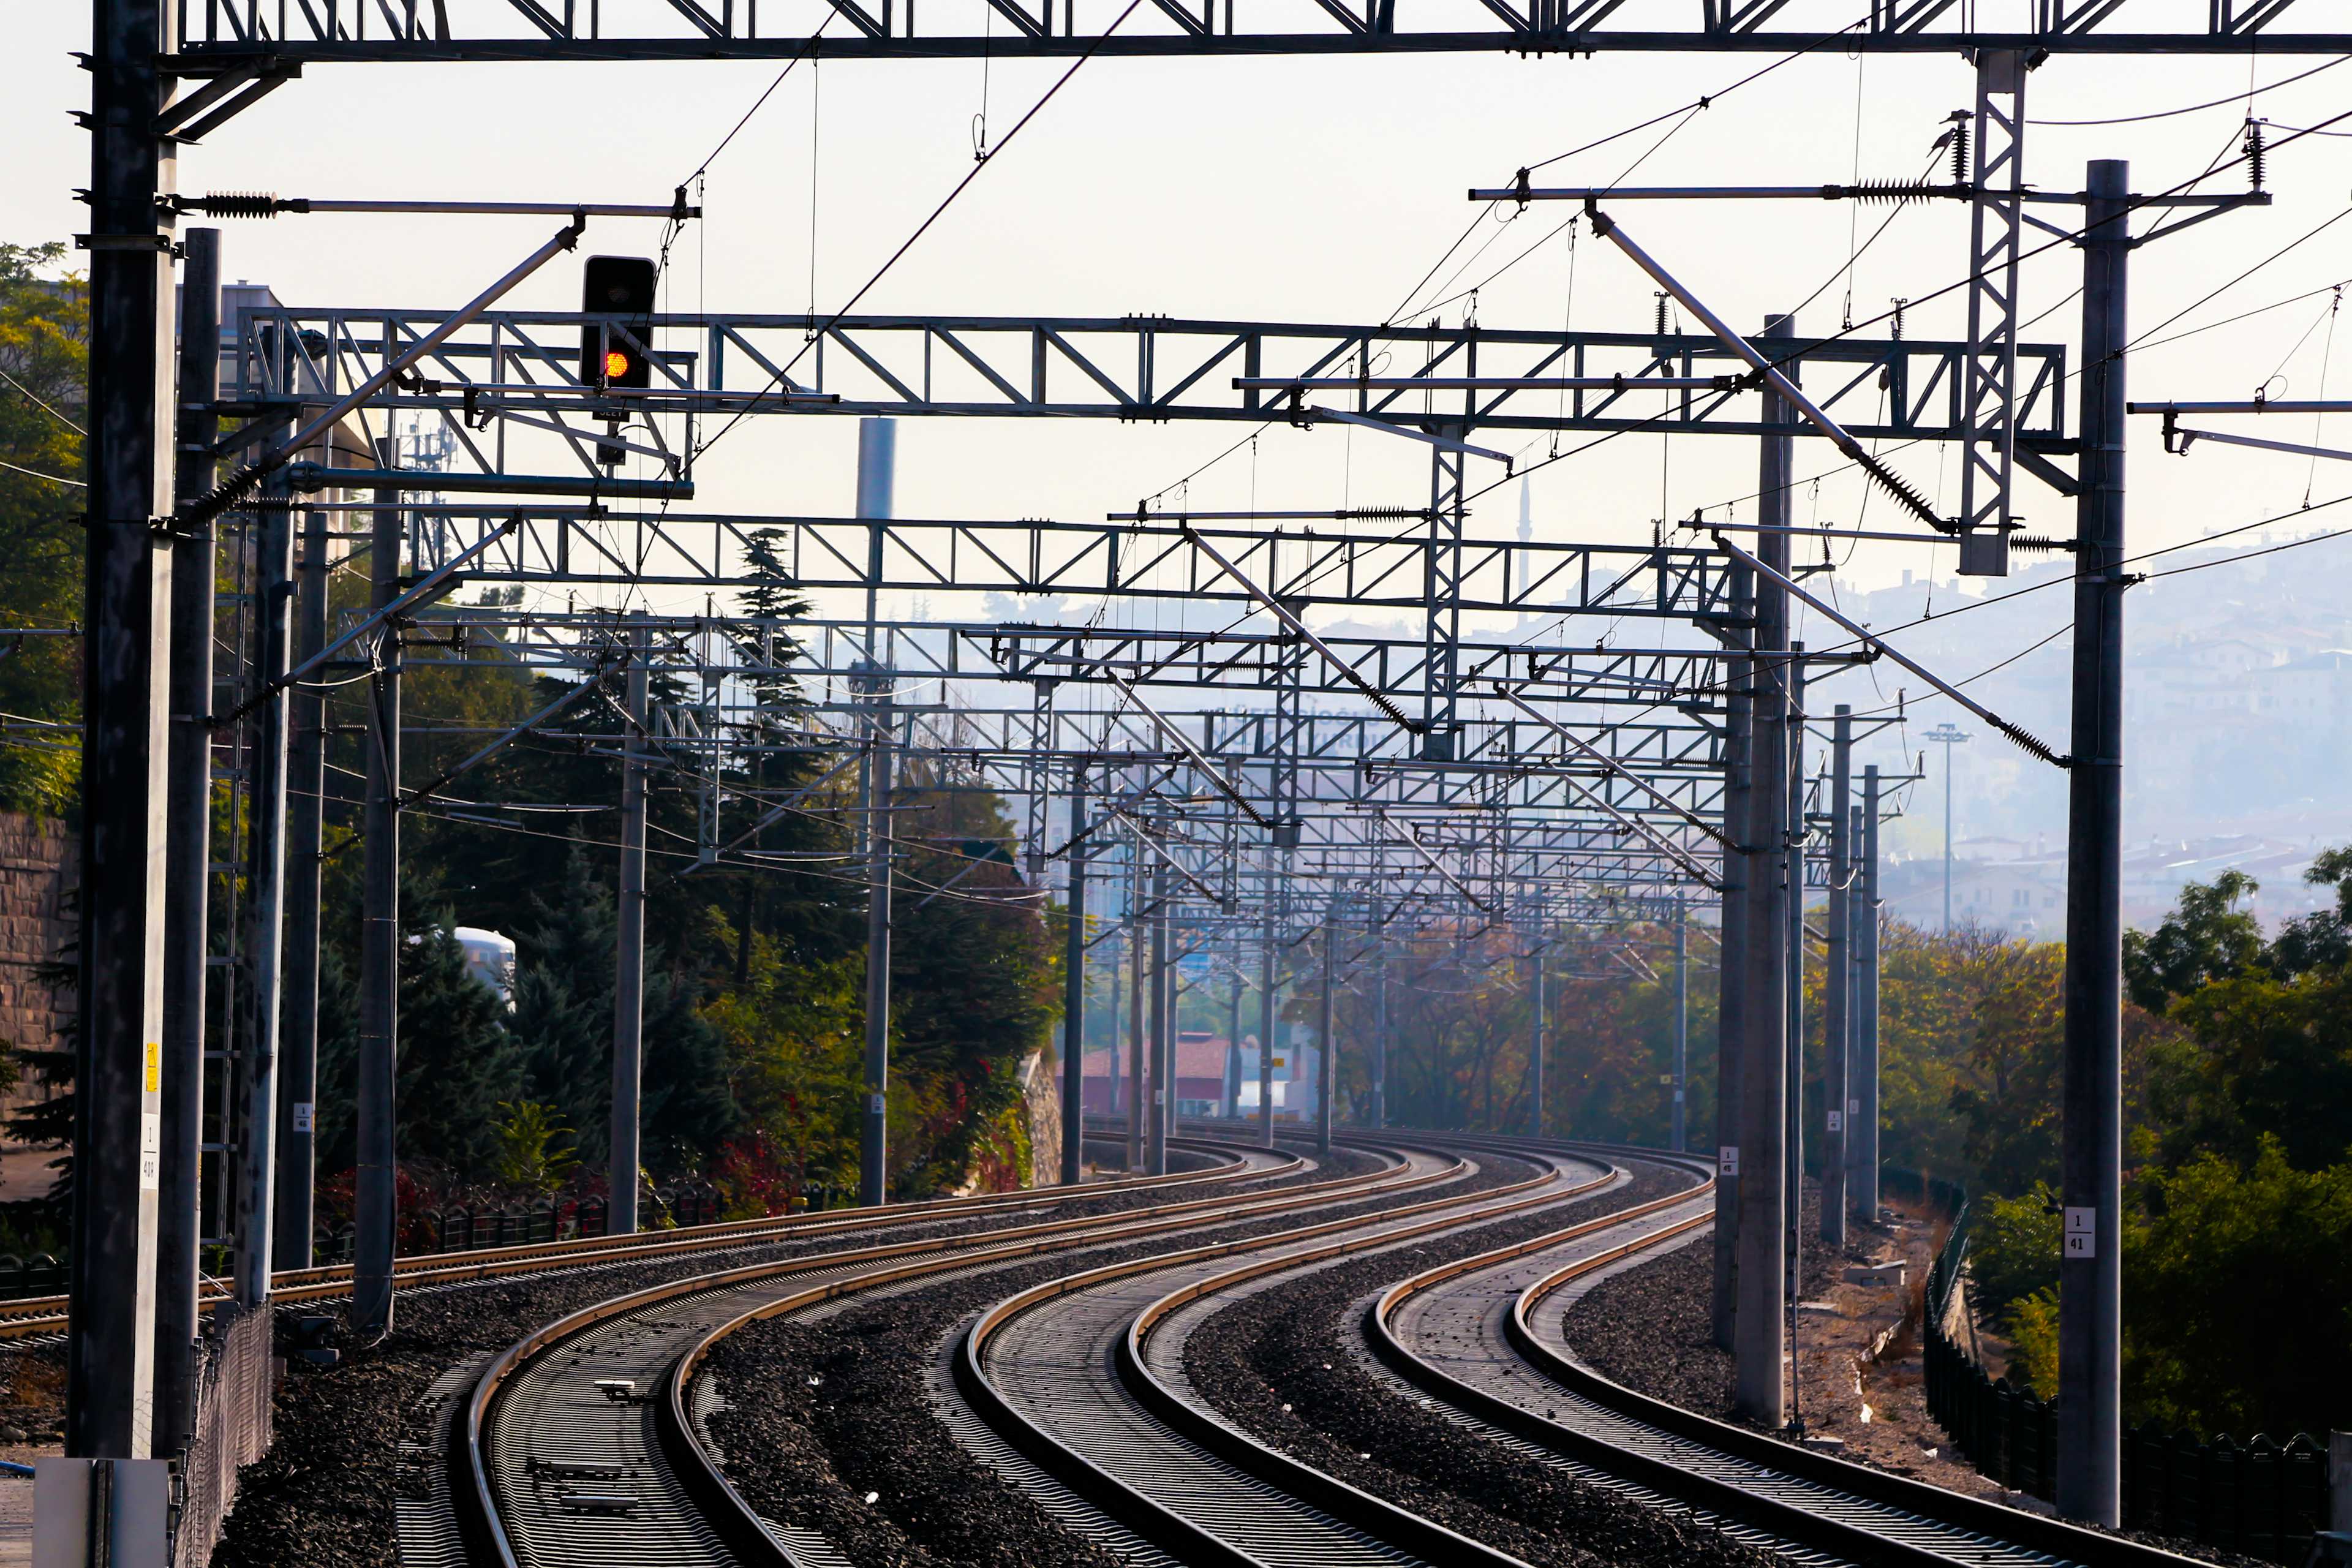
(39, 1275)
(233, 1388)
(2259, 1497)
(462, 1229)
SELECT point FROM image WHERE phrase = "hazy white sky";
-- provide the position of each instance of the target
(1304, 189)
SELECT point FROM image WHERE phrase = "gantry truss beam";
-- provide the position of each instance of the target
(505, 386)
(1350, 763)
(1363, 562)
(275, 37)
(836, 653)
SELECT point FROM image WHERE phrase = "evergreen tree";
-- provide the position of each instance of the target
(562, 1026)
(457, 1058)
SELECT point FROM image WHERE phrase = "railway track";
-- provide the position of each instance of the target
(579, 1444)
(1072, 1374)
(1465, 1334)
(35, 1319)
(583, 1444)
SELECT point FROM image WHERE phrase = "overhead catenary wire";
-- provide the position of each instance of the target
(2194, 108)
(817, 331)
(1813, 342)
(37, 474)
(38, 402)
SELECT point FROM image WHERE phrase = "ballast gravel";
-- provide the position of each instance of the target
(1282, 1365)
(324, 1492)
(822, 1415)
(1650, 1328)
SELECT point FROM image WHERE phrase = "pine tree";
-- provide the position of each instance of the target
(457, 1058)
(562, 1026)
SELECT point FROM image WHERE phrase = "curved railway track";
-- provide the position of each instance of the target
(578, 1445)
(1466, 1335)
(584, 1443)
(1074, 1375)
(35, 1317)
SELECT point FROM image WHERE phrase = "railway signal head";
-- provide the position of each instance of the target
(612, 351)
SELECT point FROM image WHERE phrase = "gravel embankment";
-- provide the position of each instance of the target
(824, 1414)
(1280, 1363)
(324, 1493)
(1650, 1327)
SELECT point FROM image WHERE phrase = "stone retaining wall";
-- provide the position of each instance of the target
(36, 873)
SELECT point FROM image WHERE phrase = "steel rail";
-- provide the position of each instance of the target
(2051, 1539)
(1353, 1524)
(34, 1316)
(736, 1295)
(1799, 1496)
(1374, 1515)
(705, 1478)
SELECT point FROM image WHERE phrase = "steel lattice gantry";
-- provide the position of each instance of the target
(1662, 770)
(265, 41)
(507, 383)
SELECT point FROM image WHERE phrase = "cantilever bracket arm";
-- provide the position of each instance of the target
(1184, 744)
(2245, 199)
(1614, 232)
(238, 486)
(1283, 613)
(1456, 883)
(776, 813)
(2023, 739)
(1150, 840)
(1632, 824)
(1393, 428)
(1614, 766)
(424, 792)
(430, 586)
(2187, 435)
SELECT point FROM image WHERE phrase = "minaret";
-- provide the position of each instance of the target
(1527, 534)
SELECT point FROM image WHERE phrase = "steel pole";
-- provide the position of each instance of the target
(1163, 1045)
(1948, 838)
(1327, 1060)
(877, 457)
(1233, 1078)
(874, 1139)
(265, 935)
(376, 1199)
(1855, 906)
(1794, 954)
(1381, 1044)
(1760, 1389)
(1536, 1039)
(1265, 1014)
(2090, 1275)
(1837, 979)
(1732, 973)
(1682, 1017)
(306, 787)
(1865, 1173)
(1163, 1110)
(624, 1158)
(1074, 994)
(188, 869)
(1118, 1027)
(1138, 1004)
(126, 667)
